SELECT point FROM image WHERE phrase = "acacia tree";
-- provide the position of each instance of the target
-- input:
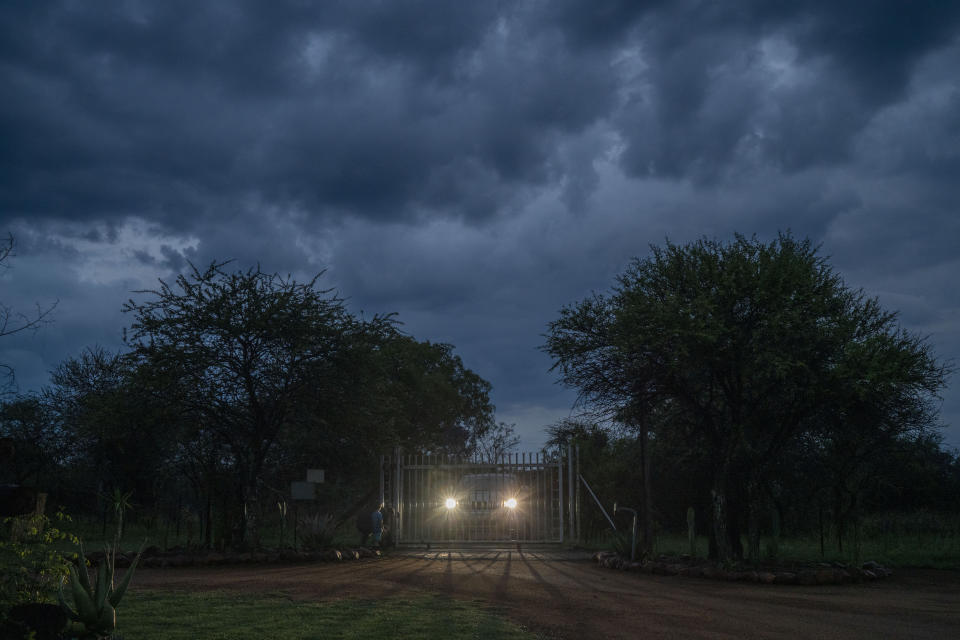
(737, 346)
(238, 352)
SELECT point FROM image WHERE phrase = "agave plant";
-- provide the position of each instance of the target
(95, 605)
(317, 531)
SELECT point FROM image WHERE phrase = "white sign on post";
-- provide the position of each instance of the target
(315, 475)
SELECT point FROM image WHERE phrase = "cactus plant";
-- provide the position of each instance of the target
(95, 604)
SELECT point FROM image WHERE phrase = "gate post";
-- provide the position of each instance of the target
(382, 460)
(397, 506)
(570, 508)
(579, 531)
(560, 488)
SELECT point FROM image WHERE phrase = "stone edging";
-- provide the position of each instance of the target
(819, 574)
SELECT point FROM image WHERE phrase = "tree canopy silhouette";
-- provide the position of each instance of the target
(741, 348)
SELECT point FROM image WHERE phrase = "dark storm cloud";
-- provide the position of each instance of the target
(389, 110)
(174, 109)
(793, 82)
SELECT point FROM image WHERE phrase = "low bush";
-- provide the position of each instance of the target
(33, 559)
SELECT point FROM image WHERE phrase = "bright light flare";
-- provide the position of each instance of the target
(450, 503)
(511, 503)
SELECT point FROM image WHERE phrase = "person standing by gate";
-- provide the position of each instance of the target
(389, 531)
(371, 525)
(376, 522)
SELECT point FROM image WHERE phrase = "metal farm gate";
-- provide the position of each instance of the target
(443, 500)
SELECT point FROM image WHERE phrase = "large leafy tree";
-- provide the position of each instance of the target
(740, 348)
(239, 351)
(271, 376)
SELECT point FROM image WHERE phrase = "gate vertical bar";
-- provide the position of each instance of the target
(537, 526)
(560, 491)
(381, 479)
(409, 495)
(413, 502)
(570, 489)
(504, 526)
(397, 504)
(546, 518)
(522, 477)
(421, 472)
(579, 531)
(542, 480)
(427, 484)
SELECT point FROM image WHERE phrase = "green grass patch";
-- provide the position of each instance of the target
(218, 615)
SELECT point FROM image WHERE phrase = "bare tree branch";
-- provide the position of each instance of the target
(12, 322)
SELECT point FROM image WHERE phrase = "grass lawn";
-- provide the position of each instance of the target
(177, 615)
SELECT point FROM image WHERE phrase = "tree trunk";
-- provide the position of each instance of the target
(720, 521)
(838, 518)
(754, 509)
(855, 516)
(208, 530)
(251, 515)
(647, 493)
(823, 551)
(775, 531)
(236, 517)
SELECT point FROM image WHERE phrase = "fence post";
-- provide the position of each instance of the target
(579, 531)
(560, 488)
(570, 507)
(382, 496)
(397, 506)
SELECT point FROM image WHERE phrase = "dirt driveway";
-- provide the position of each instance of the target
(564, 595)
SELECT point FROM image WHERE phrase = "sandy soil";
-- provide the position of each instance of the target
(564, 595)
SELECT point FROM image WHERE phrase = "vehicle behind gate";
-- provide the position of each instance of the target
(487, 507)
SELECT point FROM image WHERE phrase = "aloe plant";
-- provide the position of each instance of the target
(95, 605)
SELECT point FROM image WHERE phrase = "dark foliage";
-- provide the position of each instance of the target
(753, 369)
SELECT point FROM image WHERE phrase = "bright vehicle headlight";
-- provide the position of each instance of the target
(511, 503)
(450, 503)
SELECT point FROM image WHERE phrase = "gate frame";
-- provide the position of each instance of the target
(567, 511)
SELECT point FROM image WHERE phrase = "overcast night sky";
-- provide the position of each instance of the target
(471, 166)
